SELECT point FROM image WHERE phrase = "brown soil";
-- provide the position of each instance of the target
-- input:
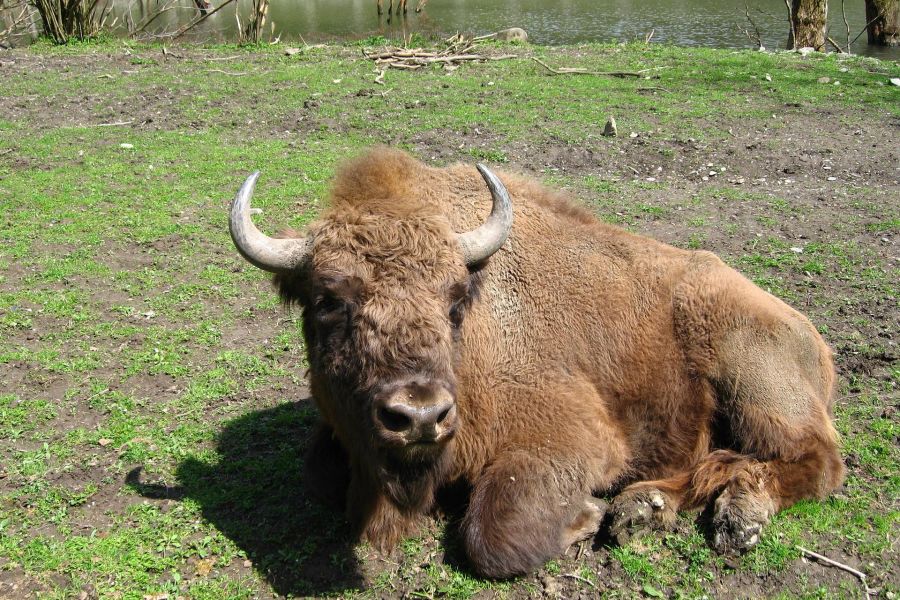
(793, 159)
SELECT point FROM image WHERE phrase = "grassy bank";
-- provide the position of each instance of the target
(153, 412)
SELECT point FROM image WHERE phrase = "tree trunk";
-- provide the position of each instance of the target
(883, 17)
(809, 18)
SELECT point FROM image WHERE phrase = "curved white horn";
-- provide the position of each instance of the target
(270, 254)
(479, 244)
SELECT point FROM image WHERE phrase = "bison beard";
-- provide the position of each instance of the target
(410, 482)
(538, 365)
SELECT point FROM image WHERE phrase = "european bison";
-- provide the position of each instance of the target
(539, 360)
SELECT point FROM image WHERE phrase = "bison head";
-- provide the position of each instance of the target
(383, 286)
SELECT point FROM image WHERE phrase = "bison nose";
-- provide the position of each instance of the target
(401, 416)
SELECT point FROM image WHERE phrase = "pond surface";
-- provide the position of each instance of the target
(715, 23)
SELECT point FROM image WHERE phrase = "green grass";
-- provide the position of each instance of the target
(133, 336)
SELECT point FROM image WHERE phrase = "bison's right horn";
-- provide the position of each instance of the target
(479, 244)
(270, 254)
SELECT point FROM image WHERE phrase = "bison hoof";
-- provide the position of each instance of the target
(732, 537)
(636, 512)
(587, 522)
(738, 521)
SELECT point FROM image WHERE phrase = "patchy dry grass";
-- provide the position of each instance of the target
(153, 412)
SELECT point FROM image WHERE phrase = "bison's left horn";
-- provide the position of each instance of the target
(479, 244)
(270, 254)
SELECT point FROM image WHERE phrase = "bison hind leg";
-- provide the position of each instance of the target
(741, 509)
(745, 492)
(774, 379)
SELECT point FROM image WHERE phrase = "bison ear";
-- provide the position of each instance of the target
(462, 294)
(292, 287)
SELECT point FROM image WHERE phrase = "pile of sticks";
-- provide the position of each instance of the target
(458, 51)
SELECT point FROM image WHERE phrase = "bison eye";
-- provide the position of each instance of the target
(456, 314)
(327, 305)
(459, 299)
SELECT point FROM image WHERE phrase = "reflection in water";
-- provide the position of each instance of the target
(716, 23)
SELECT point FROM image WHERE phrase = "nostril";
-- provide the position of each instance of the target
(393, 420)
(443, 414)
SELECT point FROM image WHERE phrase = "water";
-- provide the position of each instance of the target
(714, 23)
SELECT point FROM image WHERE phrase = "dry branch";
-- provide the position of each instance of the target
(233, 74)
(837, 46)
(185, 28)
(457, 52)
(858, 574)
(581, 71)
(756, 37)
(866, 26)
(139, 28)
(16, 21)
(846, 24)
(579, 578)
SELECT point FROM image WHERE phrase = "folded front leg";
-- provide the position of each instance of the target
(526, 509)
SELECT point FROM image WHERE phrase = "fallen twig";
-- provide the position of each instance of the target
(226, 72)
(860, 575)
(837, 46)
(100, 393)
(402, 65)
(581, 548)
(653, 89)
(116, 124)
(579, 578)
(458, 51)
(581, 71)
(449, 59)
(141, 440)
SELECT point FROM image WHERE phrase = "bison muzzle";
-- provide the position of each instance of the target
(541, 358)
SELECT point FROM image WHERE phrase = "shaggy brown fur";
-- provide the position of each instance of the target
(582, 359)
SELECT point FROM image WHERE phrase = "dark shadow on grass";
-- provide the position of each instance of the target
(453, 501)
(256, 497)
